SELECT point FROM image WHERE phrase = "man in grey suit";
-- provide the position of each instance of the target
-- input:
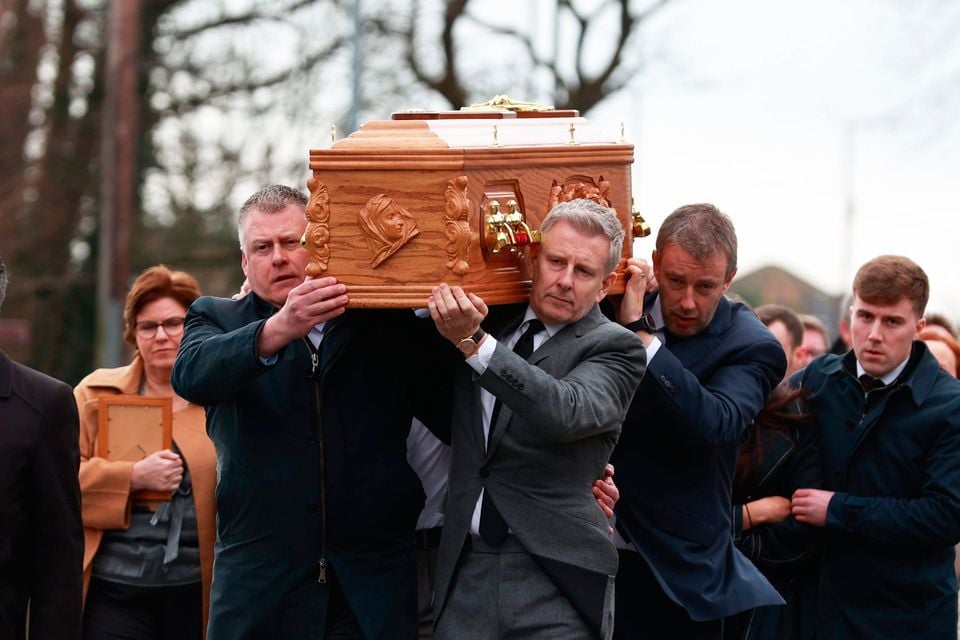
(525, 551)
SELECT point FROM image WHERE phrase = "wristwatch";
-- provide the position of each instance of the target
(645, 323)
(469, 345)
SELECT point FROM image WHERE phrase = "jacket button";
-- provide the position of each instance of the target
(484, 472)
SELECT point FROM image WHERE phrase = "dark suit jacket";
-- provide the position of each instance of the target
(559, 420)
(41, 534)
(887, 567)
(312, 464)
(677, 455)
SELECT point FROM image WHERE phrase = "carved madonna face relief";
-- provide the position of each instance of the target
(386, 226)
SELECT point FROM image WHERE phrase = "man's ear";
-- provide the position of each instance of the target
(531, 255)
(243, 263)
(728, 280)
(606, 284)
(800, 353)
(921, 323)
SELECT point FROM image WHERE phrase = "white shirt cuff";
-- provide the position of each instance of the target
(481, 359)
(652, 348)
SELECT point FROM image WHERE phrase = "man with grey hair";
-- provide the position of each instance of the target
(309, 405)
(710, 366)
(539, 402)
(41, 534)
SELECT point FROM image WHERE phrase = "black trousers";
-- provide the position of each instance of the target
(116, 611)
(342, 624)
(305, 602)
(643, 610)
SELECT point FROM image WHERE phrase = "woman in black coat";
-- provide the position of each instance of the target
(779, 455)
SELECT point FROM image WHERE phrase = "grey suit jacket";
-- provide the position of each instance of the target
(559, 421)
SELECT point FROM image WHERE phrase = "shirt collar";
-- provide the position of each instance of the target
(550, 328)
(888, 377)
(657, 314)
(316, 334)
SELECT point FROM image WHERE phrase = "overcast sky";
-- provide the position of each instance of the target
(776, 111)
(787, 115)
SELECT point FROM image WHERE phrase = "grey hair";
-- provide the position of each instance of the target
(271, 199)
(701, 230)
(592, 219)
(3, 281)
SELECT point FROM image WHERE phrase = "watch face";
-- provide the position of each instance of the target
(648, 324)
(467, 347)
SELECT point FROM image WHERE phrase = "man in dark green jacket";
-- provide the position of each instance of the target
(309, 405)
(889, 422)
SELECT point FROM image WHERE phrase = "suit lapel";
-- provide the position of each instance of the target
(6, 376)
(549, 350)
(500, 327)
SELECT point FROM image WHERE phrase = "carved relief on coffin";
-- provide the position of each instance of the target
(575, 187)
(386, 226)
(456, 225)
(317, 235)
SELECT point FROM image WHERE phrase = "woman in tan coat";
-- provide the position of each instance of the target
(147, 564)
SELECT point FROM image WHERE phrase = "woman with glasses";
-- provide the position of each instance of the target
(147, 563)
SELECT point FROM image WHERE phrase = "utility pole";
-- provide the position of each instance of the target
(120, 133)
(850, 196)
(353, 116)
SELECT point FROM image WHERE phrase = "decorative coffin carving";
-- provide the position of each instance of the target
(406, 203)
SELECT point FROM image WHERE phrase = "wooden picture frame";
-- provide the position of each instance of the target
(133, 427)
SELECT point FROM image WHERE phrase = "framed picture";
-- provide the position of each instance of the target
(133, 427)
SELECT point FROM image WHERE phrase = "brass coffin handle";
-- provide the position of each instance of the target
(508, 231)
(641, 228)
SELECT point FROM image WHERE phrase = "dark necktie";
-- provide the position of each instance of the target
(870, 383)
(493, 528)
(524, 346)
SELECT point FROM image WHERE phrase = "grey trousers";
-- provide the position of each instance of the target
(502, 593)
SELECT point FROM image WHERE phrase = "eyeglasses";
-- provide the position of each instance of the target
(147, 329)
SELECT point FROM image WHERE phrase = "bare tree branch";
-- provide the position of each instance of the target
(240, 19)
(248, 85)
(448, 83)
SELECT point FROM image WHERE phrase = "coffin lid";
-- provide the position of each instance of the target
(479, 127)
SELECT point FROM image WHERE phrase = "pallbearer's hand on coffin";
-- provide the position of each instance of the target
(308, 304)
(638, 277)
(456, 313)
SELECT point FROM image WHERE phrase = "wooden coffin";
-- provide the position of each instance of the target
(406, 203)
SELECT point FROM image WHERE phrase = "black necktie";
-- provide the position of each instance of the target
(493, 528)
(870, 383)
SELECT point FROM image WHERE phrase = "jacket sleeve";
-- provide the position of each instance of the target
(430, 387)
(719, 409)
(57, 576)
(591, 398)
(786, 542)
(932, 518)
(105, 485)
(214, 363)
